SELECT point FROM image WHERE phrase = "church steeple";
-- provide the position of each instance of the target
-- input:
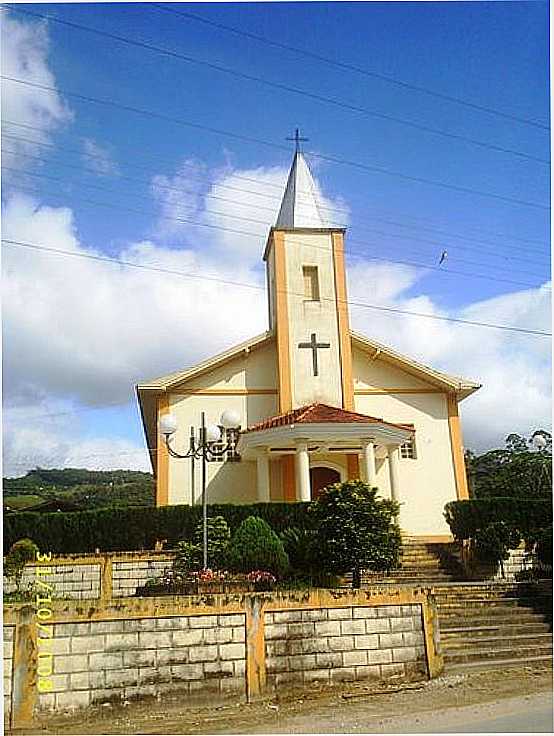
(300, 205)
(308, 310)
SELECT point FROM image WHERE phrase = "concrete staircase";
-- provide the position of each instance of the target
(487, 625)
(422, 563)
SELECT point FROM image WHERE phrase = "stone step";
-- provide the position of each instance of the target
(497, 602)
(485, 653)
(454, 622)
(494, 664)
(513, 641)
(485, 630)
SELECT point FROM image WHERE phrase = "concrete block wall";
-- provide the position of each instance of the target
(102, 661)
(127, 576)
(70, 581)
(8, 637)
(518, 561)
(344, 644)
(211, 646)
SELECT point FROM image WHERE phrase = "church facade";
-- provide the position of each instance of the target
(318, 402)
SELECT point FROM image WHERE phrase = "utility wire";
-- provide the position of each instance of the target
(251, 139)
(242, 284)
(351, 67)
(280, 86)
(359, 254)
(272, 210)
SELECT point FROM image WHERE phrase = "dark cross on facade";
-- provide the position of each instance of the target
(313, 345)
(297, 138)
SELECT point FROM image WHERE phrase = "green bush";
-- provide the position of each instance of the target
(219, 536)
(494, 542)
(299, 545)
(188, 557)
(466, 518)
(356, 530)
(544, 546)
(20, 554)
(139, 527)
(255, 546)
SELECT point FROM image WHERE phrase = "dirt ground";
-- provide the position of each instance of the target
(169, 715)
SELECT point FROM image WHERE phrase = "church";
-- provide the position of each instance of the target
(318, 403)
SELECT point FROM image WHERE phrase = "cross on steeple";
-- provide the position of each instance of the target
(313, 345)
(297, 138)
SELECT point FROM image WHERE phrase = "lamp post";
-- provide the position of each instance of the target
(207, 447)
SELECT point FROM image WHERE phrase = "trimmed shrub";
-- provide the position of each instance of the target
(20, 554)
(255, 546)
(544, 546)
(466, 518)
(121, 529)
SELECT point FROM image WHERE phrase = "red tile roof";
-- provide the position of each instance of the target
(321, 414)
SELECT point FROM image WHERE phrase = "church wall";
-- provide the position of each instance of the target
(227, 482)
(427, 483)
(379, 373)
(307, 317)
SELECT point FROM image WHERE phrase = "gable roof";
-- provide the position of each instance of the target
(169, 381)
(463, 387)
(318, 413)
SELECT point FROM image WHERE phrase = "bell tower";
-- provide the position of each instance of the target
(308, 310)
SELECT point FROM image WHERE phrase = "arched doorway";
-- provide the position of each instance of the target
(321, 477)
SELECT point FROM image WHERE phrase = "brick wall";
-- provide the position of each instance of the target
(341, 644)
(100, 661)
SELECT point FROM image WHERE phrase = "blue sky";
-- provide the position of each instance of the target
(490, 54)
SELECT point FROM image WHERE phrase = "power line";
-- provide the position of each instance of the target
(352, 67)
(207, 195)
(283, 87)
(251, 139)
(358, 254)
(242, 284)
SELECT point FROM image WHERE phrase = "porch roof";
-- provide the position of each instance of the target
(318, 413)
(321, 426)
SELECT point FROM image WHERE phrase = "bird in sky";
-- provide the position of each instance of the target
(444, 256)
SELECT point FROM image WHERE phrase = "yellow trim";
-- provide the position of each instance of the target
(162, 459)
(282, 324)
(457, 447)
(352, 466)
(229, 391)
(345, 342)
(396, 390)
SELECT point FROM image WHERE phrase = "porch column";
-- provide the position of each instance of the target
(368, 455)
(262, 475)
(302, 472)
(393, 452)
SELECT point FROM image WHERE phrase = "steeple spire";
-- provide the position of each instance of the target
(300, 205)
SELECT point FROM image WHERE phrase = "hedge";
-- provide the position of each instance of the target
(138, 527)
(465, 518)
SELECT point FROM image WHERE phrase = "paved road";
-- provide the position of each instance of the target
(527, 714)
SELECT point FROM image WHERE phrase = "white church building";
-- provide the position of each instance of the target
(318, 403)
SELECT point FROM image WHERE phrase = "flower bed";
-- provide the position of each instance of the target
(207, 581)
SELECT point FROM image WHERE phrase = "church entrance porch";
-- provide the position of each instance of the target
(302, 442)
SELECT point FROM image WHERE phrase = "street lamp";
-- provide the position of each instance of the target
(208, 446)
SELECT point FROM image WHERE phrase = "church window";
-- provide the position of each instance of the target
(311, 283)
(408, 450)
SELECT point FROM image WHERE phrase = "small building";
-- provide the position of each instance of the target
(318, 402)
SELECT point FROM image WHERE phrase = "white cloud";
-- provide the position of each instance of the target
(46, 435)
(514, 369)
(24, 55)
(98, 158)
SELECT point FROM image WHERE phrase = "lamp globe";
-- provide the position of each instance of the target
(168, 424)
